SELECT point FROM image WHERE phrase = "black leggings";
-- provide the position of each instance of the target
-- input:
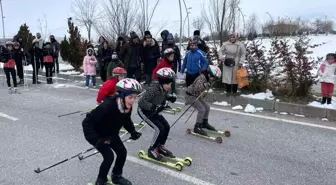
(19, 67)
(159, 124)
(49, 67)
(105, 149)
(10, 72)
(231, 88)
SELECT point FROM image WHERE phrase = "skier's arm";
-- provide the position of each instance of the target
(184, 63)
(178, 57)
(129, 125)
(204, 61)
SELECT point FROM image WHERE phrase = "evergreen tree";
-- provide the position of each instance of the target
(73, 49)
(27, 37)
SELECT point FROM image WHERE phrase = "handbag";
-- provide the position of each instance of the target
(230, 62)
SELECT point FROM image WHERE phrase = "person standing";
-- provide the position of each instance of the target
(48, 61)
(133, 66)
(200, 42)
(232, 54)
(150, 55)
(105, 57)
(89, 66)
(56, 48)
(19, 54)
(35, 58)
(9, 66)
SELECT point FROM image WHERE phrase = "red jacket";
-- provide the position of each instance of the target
(108, 89)
(163, 63)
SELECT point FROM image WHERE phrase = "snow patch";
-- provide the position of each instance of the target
(325, 119)
(71, 73)
(260, 96)
(57, 86)
(238, 107)
(326, 106)
(223, 103)
(210, 91)
(283, 113)
(259, 109)
(250, 109)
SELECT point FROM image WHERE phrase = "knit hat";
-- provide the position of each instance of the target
(197, 32)
(148, 34)
(170, 38)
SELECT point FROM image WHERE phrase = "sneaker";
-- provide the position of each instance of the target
(206, 125)
(101, 182)
(155, 154)
(198, 129)
(163, 150)
(120, 180)
(87, 87)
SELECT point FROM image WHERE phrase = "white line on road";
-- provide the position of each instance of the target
(178, 175)
(8, 116)
(270, 118)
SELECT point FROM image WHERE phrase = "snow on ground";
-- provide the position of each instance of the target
(62, 67)
(238, 107)
(57, 86)
(223, 103)
(260, 96)
(72, 73)
(326, 106)
(250, 109)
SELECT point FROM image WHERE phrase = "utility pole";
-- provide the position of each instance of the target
(180, 25)
(185, 5)
(3, 21)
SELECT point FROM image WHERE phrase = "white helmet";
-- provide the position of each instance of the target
(168, 51)
(165, 73)
(129, 85)
(214, 71)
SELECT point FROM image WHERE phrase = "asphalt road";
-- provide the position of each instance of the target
(261, 150)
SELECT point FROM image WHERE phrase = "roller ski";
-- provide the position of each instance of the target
(198, 131)
(207, 127)
(140, 126)
(168, 155)
(13, 91)
(155, 156)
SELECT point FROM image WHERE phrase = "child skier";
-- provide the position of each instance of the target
(166, 61)
(48, 61)
(35, 60)
(151, 104)
(9, 66)
(102, 125)
(195, 99)
(109, 87)
(19, 54)
(89, 66)
(328, 78)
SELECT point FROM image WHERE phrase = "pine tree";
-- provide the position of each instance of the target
(27, 37)
(259, 66)
(73, 49)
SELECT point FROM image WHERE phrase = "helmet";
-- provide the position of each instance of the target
(16, 44)
(165, 73)
(168, 51)
(164, 34)
(129, 85)
(47, 41)
(118, 71)
(214, 71)
(9, 43)
(36, 41)
(51, 37)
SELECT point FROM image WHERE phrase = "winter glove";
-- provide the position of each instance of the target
(171, 98)
(135, 135)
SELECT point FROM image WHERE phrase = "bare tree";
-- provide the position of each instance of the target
(198, 23)
(252, 24)
(42, 25)
(86, 14)
(216, 18)
(119, 18)
(145, 15)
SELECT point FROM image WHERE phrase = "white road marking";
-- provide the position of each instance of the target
(270, 118)
(8, 117)
(178, 175)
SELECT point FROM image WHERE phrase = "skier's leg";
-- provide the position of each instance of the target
(206, 115)
(7, 73)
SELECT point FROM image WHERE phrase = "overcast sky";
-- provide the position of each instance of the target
(17, 12)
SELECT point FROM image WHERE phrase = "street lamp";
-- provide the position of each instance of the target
(3, 21)
(188, 23)
(180, 24)
(185, 6)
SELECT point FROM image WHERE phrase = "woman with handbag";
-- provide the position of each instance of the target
(231, 54)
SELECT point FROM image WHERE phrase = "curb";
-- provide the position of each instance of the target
(271, 105)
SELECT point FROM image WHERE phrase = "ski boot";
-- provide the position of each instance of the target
(206, 125)
(10, 90)
(328, 101)
(120, 180)
(324, 100)
(155, 154)
(163, 151)
(15, 91)
(199, 130)
(101, 182)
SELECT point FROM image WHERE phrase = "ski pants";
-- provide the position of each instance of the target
(105, 150)
(56, 65)
(10, 72)
(200, 105)
(327, 89)
(36, 67)
(19, 67)
(159, 124)
(49, 68)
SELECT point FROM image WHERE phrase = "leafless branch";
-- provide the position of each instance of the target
(42, 25)
(145, 15)
(198, 23)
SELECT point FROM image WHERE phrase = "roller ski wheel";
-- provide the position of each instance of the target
(177, 109)
(186, 161)
(123, 131)
(169, 111)
(226, 133)
(177, 166)
(109, 182)
(217, 139)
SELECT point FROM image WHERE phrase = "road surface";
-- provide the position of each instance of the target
(262, 150)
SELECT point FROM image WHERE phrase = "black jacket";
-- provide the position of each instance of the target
(36, 55)
(150, 55)
(106, 120)
(19, 56)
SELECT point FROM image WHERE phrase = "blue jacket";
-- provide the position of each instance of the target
(194, 62)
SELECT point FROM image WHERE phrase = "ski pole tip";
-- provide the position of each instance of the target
(37, 170)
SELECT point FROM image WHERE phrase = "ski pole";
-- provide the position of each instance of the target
(69, 114)
(38, 170)
(190, 116)
(80, 157)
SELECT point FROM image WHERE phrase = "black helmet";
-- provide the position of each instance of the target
(16, 44)
(164, 34)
